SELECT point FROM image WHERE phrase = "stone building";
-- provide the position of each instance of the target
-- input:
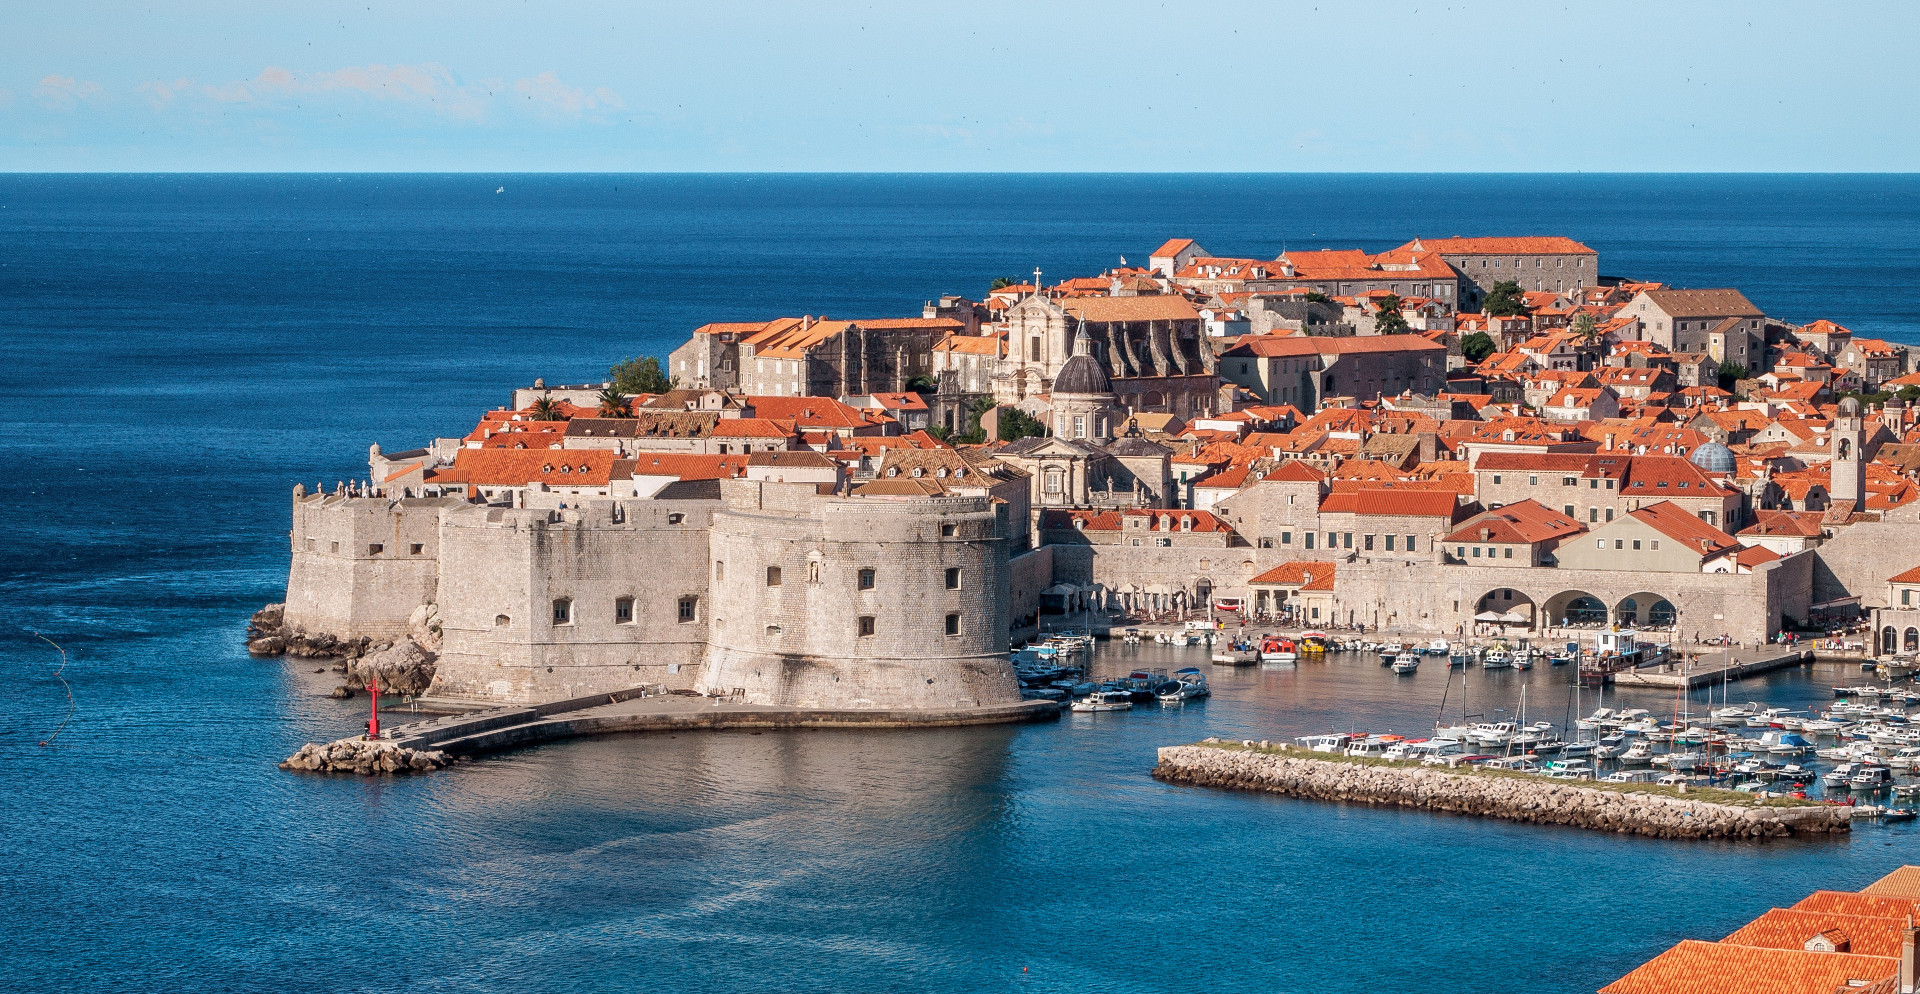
(1722, 323)
(1151, 348)
(1534, 262)
(1305, 371)
(811, 357)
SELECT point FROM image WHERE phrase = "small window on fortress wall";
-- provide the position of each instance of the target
(623, 611)
(334, 547)
(375, 549)
(866, 625)
(415, 549)
(689, 609)
(675, 518)
(953, 578)
(719, 571)
(563, 612)
(773, 576)
(501, 621)
(953, 624)
(946, 531)
(866, 579)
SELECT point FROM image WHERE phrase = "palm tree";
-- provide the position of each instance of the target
(548, 409)
(1587, 328)
(613, 404)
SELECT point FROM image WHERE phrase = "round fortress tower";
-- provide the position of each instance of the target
(850, 602)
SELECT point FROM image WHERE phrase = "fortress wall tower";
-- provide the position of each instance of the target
(817, 634)
(547, 604)
(362, 564)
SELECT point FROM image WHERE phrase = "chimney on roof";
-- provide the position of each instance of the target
(1906, 957)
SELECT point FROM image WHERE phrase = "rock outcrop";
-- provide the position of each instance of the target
(402, 667)
(363, 756)
(268, 634)
(1298, 773)
(423, 627)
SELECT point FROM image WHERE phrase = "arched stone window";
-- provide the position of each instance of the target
(1889, 639)
(1911, 642)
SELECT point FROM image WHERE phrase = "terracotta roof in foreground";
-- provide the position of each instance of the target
(1695, 967)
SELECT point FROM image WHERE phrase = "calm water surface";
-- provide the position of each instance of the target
(176, 351)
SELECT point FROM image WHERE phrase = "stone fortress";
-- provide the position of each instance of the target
(776, 591)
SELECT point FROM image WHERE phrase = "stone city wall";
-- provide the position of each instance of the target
(360, 565)
(620, 568)
(797, 622)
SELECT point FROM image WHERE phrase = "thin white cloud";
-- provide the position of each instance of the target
(160, 93)
(65, 92)
(548, 95)
(428, 86)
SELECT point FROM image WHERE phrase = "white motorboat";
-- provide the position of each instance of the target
(1870, 778)
(1101, 700)
(1736, 715)
(1331, 742)
(1496, 659)
(1489, 735)
(1438, 647)
(1640, 753)
(1374, 746)
(1406, 662)
(1839, 775)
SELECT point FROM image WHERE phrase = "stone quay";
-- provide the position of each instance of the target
(1638, 809)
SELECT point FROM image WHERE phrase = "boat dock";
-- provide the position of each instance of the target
(1709, 668)
(641, 710)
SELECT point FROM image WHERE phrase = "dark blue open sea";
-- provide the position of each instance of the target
(177, 351)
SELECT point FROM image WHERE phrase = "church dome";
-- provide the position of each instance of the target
(1082, 374)
(1713, 458)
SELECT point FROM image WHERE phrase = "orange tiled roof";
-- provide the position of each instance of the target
(1523, 245)
(689, 466)
(1903, 881)
(1695, 967)
(519, 467)
(1305, 575)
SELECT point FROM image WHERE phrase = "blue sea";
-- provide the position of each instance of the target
(176, 351)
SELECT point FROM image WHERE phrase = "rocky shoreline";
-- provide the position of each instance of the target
(401, 666)
(365, 757)
(1298, 773)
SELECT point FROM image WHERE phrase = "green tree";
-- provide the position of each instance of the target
(923, 385)
(1316, 297)
(1505, 300)
(614, 404)
(642, 375)
(1016, 424)
(1586, 327)
(1001, 283)
(547, 409)
(1387, 319)
(1731, 371)
(971, 433)
(1476, 346)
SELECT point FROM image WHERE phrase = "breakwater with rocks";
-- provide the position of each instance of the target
(1634, 809)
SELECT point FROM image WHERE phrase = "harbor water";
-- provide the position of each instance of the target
(180, 350)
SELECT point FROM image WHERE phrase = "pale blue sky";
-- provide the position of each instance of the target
(826, 85)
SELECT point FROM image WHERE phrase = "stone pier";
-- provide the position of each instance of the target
(1637, 809)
